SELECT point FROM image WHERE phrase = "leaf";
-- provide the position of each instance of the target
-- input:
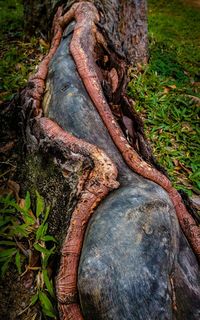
(47, 306)
(48, 238)
(5, 200)
(46, 257)
(41, 231)
(48, 283)
(4, 221)
(4, 267)
(41, 249)
(20, 230)
(27, 203)
(9, 210)
(13, 204)
(166, 90)
(27, 218)
(46, 253)
(7, 243)
(18, 262)
(46, 214)
(7, 253)
(43, 43)
(39, 204)
(34, 299)
(172, 86)
(49, 313)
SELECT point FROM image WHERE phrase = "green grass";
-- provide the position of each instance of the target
(175, 34)
(165, 91)
(11, 18)
(18, 57)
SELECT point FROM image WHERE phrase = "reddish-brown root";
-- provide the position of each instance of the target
(101, 180)
(98, 182)
(37, 81)
(70, 312)
(85, 27)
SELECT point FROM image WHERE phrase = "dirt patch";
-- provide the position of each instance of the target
(193, 3)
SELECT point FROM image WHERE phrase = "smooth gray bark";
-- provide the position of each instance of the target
(135, 262)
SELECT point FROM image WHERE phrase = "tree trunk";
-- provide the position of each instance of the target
(86, 151)
(38, 17)
(124, 23)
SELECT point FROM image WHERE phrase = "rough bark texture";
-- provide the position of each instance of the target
(135, 262)
(38, 16)
(123, 23)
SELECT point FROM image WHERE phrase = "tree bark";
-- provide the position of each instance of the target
(135, 261)
(124, 23)
(38, 17)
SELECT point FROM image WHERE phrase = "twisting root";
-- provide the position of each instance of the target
(101, 180)
(84, 37)
(36, 83)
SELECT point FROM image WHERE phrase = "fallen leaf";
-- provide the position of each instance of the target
(172, 86)
(18, 66)
(195, 99)
(175, 161)
(139, 67)
(44, 43)
(166, 90)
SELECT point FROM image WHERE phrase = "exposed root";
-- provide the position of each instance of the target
(36, 84)
(101, 180)
(85, 31)
(70, 312)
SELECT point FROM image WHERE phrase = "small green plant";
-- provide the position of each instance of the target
(24, 241)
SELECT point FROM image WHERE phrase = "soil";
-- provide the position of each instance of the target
(193, 3)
